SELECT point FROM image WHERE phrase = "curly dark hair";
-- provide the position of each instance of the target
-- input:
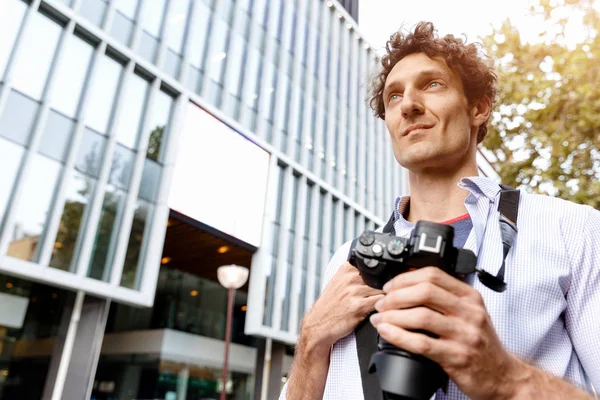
(474, 68)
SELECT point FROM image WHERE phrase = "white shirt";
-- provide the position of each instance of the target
(549, 314)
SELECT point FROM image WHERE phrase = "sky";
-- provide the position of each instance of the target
(380, 18)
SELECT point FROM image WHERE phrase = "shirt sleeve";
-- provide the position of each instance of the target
(339, 258)
(582, 317)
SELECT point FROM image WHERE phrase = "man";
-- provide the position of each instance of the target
(540, 339)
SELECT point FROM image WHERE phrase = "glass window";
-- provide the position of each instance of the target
(91, 151)
(107, 77)
(148, 46)
(106, 234)
(252, 70)
(150, 180)
(57, 136)
(18, 118)
(201, 21)
(218, 55)
(261, 12)
(173, 63)
(151, 16)
(268, 92)
(32, 211)
(131, 272)
(11, 156)
(122, 164)
(79, 192)
(132, 110)
(13, 20)
(71, 74)
(236, 59)
(176, 24)
(126, 7)
(122, 28)
(151, 19)
(36, 52)
(159, 120)
(93, 10)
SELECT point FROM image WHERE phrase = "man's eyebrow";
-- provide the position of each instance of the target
(421, 75)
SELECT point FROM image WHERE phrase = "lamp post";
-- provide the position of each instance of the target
(231, 277)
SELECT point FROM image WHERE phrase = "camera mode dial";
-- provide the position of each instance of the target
(395, 247)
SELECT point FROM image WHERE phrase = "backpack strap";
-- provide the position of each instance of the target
(366, 343)
(509, 212)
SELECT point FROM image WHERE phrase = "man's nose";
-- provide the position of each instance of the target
(411, 104)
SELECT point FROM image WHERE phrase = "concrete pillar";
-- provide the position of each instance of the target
(277, 355)
(86, 349)
(259, 368)
(182, 383)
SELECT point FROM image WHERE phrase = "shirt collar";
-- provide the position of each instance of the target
(477, 185)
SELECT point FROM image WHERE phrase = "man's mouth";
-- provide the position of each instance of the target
(412, 128)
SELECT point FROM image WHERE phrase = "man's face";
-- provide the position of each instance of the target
(427, 115)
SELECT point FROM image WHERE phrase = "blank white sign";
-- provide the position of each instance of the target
(220, 177)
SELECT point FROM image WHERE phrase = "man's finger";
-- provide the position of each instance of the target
(421, 294)
(417, 343)
(421, 318)
(428, 274)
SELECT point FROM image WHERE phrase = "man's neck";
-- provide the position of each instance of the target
(435, 195)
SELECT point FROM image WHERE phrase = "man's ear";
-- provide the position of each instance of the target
(480, 111)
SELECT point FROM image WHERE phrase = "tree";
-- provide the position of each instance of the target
(545, 130)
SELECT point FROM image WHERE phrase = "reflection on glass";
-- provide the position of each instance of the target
(126, 7)
(36, 51)
(148, 46)
(198, 31)
(150, 180)
(93, 10)
(122, 164)
(56, 136)
(89, 156)
(12, 23)
(134, 246)
(70, 77)
(188, 303)
(32, 210)
(252, 71)
(78, 195)
(122, 28)
(18, 118)
(234, 69)
(218, 56)
(107, 77)
(106, 234)
(151, 16)
(133, 106)
(176, 24)
(11, 155)
(173, 63)
(159, 120)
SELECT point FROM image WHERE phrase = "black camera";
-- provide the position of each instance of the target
(381, 256)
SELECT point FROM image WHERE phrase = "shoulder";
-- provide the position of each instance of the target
(545, 208)
(546, 216)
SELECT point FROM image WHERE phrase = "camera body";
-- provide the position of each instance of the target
(381, 256)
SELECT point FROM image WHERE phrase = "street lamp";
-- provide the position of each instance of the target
(231, 277)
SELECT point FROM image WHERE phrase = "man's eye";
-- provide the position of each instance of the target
(434, 84)
(394, 97)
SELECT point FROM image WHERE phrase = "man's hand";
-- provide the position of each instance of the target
(467, 348)
(344, 303)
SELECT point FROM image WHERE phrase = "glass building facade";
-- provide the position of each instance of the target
(94, 98)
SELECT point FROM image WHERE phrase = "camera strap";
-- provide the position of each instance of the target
(366, 334)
